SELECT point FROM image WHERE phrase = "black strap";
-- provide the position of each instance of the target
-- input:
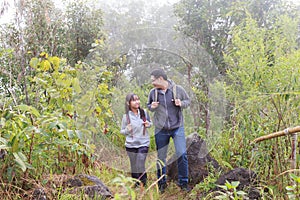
(143, 117)
(128, 120)
(155, 95)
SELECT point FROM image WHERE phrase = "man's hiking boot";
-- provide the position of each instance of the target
(162, 187)
(136, 184)
(185, 188)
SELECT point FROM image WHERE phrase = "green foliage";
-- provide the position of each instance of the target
(294, 190)
(231, 192)
(48, 135)
(204, 187)
(263, 92)
(209, 23)
(126, 183)
(84, 24)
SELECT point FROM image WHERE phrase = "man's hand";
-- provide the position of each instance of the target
(154, 104)
(178, 102)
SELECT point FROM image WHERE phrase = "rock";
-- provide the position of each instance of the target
(246, 177)
(39, 194)
(199, 159)
(2, 153)
(74, 182)
(90, 185)
(97, 191)
(248, 180)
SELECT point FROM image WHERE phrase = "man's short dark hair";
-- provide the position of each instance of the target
(159, 73)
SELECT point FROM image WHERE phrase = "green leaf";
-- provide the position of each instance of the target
(32, 129)
(226, 164)
(19, 158)
(235, 184)
(15, 144)
(223, 187)
(45, 65)
(228, 185)
(4, 147)
(76, 85)
(295, 178)
(2, 122)
(30, 109)
(41, 81)
(117, 180)
(59, 102)
(34, 63)
(64, 143)
(53, 125)
(79, 134)
(242, 193)
(70, 134)
(3, 140)
(290, 188)
(222, 196)
(132, 193)
(117, 196)
(55, 61)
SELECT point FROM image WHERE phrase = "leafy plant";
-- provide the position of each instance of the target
(205, 186)
(294, 190)
(230, 191)
(262, 94)
(126, 183)
(44, 132)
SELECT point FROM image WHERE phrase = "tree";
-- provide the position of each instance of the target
(262, 90)
(84, 23)
(207, 26)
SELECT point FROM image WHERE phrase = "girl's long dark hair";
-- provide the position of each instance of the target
(128, 99)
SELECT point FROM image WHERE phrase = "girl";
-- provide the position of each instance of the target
(135, 122)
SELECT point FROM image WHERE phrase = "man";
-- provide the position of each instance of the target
(167, 100)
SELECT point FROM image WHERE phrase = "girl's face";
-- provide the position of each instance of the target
(135, 102)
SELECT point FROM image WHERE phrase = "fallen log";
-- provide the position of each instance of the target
(286, 131)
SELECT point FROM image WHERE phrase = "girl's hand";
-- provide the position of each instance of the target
(146, 124)
(129, 128)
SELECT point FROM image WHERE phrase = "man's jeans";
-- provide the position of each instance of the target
(162, 139)
(137, 157)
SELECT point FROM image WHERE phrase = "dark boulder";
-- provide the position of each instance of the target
(2, 153)
(90, 185)
(39, 194)
(200, 161)
(248, 181)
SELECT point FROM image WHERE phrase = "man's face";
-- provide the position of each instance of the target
(156, 82)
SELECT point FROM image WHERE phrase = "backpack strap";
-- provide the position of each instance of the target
(128, 121)
(174, 92)
(155, 95)
(143, 117)
(127, 118)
